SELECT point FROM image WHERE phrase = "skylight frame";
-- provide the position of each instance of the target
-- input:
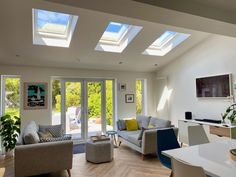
(110, 44)
(167, 45)
(50, 38)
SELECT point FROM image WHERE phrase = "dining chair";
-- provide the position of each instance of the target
(181, 169)
(166, 140)
(197, 135)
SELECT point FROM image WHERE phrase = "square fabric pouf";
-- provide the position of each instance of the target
(99, 152)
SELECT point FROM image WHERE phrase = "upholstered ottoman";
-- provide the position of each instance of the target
(99, 152)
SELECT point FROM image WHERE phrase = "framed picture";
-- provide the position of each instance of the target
(35, 95)
(129, 98)
(122, 87)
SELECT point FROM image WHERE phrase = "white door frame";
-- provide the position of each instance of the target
(84, 103)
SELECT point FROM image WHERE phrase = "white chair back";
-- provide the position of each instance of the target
(181, 169)
(197, 135)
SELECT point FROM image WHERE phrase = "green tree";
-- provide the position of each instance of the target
(139, 97)
(12, 96)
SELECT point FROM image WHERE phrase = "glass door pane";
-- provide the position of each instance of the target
(73, 109)
(94, 107)
(12, 96)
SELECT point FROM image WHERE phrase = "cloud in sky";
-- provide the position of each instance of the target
(45, 17)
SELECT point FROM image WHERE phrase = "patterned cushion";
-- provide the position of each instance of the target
(45, 135)
(43, 140)
(55, 130)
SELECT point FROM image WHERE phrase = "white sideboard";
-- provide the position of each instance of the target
(214, 131)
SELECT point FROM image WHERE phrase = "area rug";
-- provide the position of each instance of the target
(78, 148)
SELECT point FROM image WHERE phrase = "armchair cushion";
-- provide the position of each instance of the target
(31, 133)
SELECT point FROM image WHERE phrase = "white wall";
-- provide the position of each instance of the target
(216, 55)
(39, 74)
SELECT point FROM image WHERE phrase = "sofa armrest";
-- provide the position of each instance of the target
(149, 141)
(40, 158)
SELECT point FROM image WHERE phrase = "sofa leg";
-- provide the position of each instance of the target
(120, 142)
(143, 157)
(171, 174)
(69, 173)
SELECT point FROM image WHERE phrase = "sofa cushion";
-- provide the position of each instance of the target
(131, 125)
(55, 130)
(121, 125)
(125, 134)
(134, 139)
(159, 123)
(31, 133)
(143, 121)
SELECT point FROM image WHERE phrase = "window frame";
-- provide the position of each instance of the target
(123, 41)
(50, 39)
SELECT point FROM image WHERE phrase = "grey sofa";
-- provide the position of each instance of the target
(34, 158)
(143, 140)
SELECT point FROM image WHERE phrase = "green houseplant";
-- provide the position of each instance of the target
(230, 114)
(9, 131)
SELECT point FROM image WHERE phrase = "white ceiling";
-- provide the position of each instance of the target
(16, 39)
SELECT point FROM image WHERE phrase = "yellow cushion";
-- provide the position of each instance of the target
(151, 126)
(131, 125)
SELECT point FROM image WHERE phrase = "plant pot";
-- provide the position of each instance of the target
(10, 153)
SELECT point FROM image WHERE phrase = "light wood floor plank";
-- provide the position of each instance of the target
(126, 163)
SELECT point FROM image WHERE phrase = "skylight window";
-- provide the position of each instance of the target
(117, 36)
(53, 28)
(165, 43)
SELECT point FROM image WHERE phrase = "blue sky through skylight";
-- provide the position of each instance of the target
(115, 27)
(164, 38)
(48, 17)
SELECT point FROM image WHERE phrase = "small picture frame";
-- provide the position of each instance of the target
(122, 87)
(129, 98)
(35, 95)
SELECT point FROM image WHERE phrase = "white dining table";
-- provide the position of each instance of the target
(213, 157)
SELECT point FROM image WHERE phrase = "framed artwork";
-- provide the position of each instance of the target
(129, 98)
(122, 87)
(35, 95)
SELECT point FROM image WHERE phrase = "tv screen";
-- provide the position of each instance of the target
(214, 86)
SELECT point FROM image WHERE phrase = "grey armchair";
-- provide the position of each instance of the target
(41, 158)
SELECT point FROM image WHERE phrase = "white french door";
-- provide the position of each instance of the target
(84, 106)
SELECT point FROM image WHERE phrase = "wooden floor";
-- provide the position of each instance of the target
(126, 163)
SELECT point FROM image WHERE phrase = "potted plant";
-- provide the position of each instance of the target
(230, 114)
(9, 132)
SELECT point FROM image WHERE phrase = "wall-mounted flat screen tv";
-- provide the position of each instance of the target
(214, 86)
